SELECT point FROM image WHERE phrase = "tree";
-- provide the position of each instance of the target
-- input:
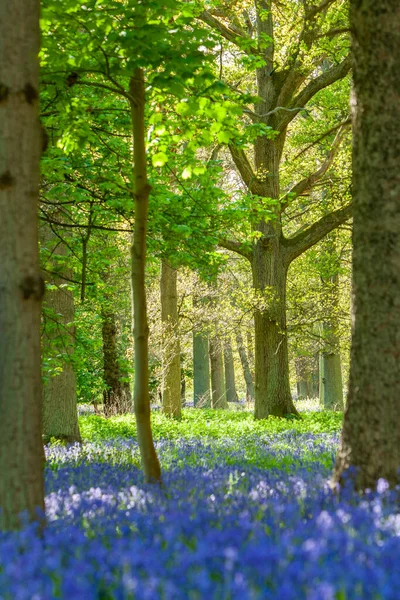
(286, 81)
(21, 284)
(117, 397)
(370, 445)
(60, 415)
(151, 465)
(171, 384)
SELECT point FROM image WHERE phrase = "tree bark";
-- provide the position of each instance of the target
(370, 445)
(171, 352)
(60, 414)
(151, 465)
(230, 386)
(246, 368)
(21, 284)
(218, 397)
(201, 371)
(117, 397)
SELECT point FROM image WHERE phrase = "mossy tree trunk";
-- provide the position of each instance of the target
(21, 284)
(370, 445)
(117, 397)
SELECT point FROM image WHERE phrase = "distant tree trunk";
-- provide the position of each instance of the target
(230, 387)
(201, 371)
(171, 352)
(303, 375)
(117, 397)
(246, 368)
(370, 444)
(151, 465)
(330, 366)
(21, 285)
(218, 395)
(183, 389)
(60, 414)
(250, 352)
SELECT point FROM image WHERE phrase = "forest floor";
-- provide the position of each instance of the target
(245, 512)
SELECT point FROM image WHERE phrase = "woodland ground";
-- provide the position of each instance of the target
(245, 513)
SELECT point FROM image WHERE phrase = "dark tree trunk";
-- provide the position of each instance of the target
(218, 398)
(371, 430)
(230, 387)
(117, 397)
(201, 371)
(246, 368)
(151, 465)
(171, 359)
(21, 285)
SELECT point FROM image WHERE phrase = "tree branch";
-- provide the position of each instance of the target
(234, 246)
(316, 85)
(304, 186)
(232, 35)
(301, 242)
(253, 184)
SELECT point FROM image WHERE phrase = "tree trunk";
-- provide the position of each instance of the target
(303, 375)
(250, 352)
(201, 371)
(370, 445)
(60, 414)
(246, 368)
(218, 398)
(230, 387)
(171, 352)
(183, 390)
(21, 285)
(331, 383)
(117, 397)
(151, 465)
(272, 387)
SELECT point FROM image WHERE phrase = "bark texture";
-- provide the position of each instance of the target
(201, 371)
(150, 462)
(21, 284)
(246, 368)
(230, 386)
(371, 431)
(60, 413)
(117, 397)
(171, 352)
(304, 377)
(218, 395)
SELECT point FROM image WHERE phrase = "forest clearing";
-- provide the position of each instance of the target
(199, 300)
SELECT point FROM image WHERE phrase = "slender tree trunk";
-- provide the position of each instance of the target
(231, 394)
(183, 389)
(21, 285)
(218, 398)
(201, 371)
(60, 414)
(151, 465)
(117, 397)
(370, 445)
(330, 365)
(171, 352)
(246, 368)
